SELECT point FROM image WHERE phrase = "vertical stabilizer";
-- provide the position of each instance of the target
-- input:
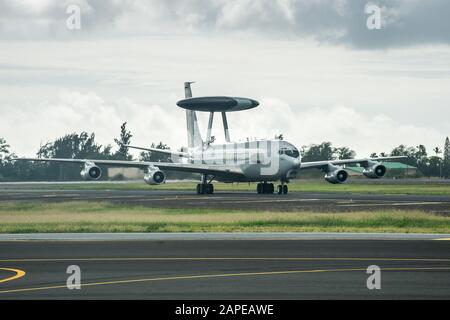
(194, 137)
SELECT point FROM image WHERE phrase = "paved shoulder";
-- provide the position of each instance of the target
(219, 236)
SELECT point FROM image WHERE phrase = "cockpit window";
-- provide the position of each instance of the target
(294, 153)
(289, 152)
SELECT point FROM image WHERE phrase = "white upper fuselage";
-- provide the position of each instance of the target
(260, 160)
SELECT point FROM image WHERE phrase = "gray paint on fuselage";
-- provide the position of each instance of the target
(260, 160)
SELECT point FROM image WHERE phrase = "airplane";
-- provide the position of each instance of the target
(262, 161)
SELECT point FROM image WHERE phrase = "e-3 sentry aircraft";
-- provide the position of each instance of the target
(261, 161)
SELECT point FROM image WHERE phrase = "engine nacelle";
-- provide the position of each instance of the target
(155, 176)
(337, 176)
(375, 171)
(91, 172)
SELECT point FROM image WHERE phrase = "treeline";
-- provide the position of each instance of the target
(427, 165)
(75, 145)
(83, 146)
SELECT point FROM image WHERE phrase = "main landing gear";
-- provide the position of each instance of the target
(268, 188)
(265, 188)
(282, 189)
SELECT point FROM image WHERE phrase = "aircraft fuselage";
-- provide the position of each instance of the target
(260, 160)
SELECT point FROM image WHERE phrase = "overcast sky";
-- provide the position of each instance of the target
(319, 73)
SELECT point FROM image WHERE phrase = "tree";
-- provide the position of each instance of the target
(421, 152)
(4, 150)
(437, 151)
(422, 160)
(122, 142)
(408, 152)
(317, 152)
(438, 159)
(9, 170)
(345, 153)
(447, 149)
(74, 145)
(156, 156)
(4, 155)
(434, 166)
(446, 169)
(326, 151)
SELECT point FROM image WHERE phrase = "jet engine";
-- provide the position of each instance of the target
(374, 171)
(336, 176)
(154, 176)
(91, 172)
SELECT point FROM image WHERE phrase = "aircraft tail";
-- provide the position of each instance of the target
(194, 136)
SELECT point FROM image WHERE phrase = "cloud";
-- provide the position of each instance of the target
(343, 22)
(75, 112)
(341, 125)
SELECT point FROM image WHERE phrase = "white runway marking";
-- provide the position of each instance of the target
(178, 198)
(267, 200)
(58, 195)
(389, 204)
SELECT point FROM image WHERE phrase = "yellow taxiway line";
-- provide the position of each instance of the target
(19, 274)
(222, 275)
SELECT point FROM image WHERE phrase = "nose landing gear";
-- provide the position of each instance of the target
(205, 188)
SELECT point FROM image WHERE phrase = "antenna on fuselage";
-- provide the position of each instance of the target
(214, 104)
(225, 126)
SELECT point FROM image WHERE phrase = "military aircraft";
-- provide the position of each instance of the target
(262, 161)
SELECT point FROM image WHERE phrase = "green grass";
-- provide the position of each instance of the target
(106, 217)
(413, 188)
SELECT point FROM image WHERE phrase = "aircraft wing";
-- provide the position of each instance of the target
(363, 162)
(216, 170)
(183, 167)
(165, 151)
(117, 163)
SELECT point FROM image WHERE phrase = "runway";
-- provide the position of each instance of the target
(225, 269)
(294, 201)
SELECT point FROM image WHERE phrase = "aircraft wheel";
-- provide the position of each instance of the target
(280, 189)
(209, 188)
(271, 188)
(259, 188)
(285, 189)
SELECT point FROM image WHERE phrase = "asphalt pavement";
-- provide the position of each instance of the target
(225, 269)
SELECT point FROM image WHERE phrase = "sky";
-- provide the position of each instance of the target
(318, 71)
